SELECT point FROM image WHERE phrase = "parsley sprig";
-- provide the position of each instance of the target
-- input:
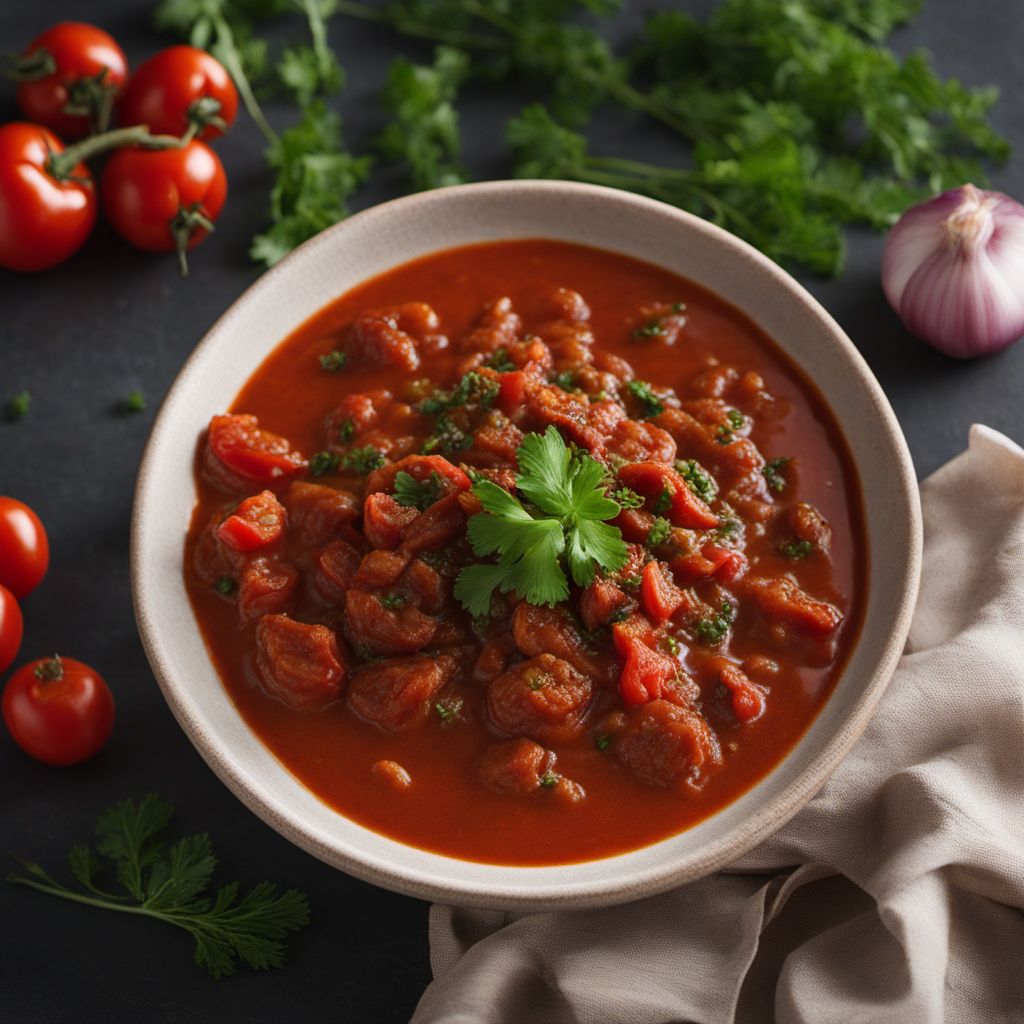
(563, 523)
(172, 885)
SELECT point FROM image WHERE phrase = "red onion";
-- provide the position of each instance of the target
(953, 271)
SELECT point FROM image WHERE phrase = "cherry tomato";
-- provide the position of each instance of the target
(71, 74)
(179, 87)
(43, 219)
(24, 548)
(11, 626)
(163, 200)
(59, 711)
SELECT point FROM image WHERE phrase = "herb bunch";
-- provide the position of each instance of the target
(171, 884)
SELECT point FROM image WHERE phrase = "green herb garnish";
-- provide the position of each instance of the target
(712, 631)
(346, 431)
(132, 403)
(393, 601)
(449, 710)
(447, 438)
(413, 494)
(653, 329)
(670, 645)
(663, 502)
(549, 779)
(499, 361)
(18, 406)
(795, 550)
(659, 532)
(627, 498)
(172, 885)
(564, 526)
(225, 585)
(321, 463)
(565, 380)
(642, 392)
(472, 389)
(699, 480)
(602, 741)
(364, 459)
(772, 472)
(333, 362)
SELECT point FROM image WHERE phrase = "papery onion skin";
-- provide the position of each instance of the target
(953, 271)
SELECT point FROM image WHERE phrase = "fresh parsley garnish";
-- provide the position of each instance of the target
(225, 585)
(549, 779)
(663, 502)
(321, 463)
(564, 525)
(712, 630)
(346, 431)
(449, 710)
(394, 601)
(651, 404)
(413, 494)
(364, 459)
(772, 472)
(627, 498)
(659, 532)
(699, 480)
(333, 361)
(670, 645)
(795, 549)
(565, 379)
(472, 389)
(653, 329)
(499, 361)
(172, 885)
(447, 438)
(18, 405)
(132, 403)
(602, 741)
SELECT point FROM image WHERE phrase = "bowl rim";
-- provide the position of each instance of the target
(446, 885)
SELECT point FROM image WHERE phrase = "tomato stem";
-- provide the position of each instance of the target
(50, 670)
(187, 221)
(205, 111)
(27, 67)
(91, 97)
(60, 165)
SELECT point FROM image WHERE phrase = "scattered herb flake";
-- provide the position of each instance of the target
(772, 472)
(670, 645)
(664, 501)
(499, 361)
(18, 406)
(712, 631)
(393, 601)
(643, 393)
(627, 498)
(225, 585)
(660, 532)
(333, 361)
(795, 549)
(602, 741)
(472, 389)
(346, 431)
(653, 329)
(699, 480)
(449, 709)
(133, 402)
(413, 494)
(549, 779)
(321, 463)
(364, 459)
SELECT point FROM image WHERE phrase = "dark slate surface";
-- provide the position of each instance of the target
(112, 320)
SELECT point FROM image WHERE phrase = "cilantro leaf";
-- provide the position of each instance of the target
(566, 490)
(413, 494)
(170, 884)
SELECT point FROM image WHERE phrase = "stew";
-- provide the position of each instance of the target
(527, 553)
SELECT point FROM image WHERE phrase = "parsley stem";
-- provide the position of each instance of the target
(228, 53)
(452, 37)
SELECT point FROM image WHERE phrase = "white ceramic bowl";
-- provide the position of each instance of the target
(387, 235)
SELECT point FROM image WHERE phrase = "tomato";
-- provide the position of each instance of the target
(238, 453)
(258, 522)
(70, 76)
(162, 200)
(24, 548)
(44, 217)
(11, 626)
(179, 87)
(58, 711)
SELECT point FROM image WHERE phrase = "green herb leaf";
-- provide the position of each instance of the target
(625, 497)
(795, 549)
(472, 389)
(699, 480)
(333, 361)
(499, 361)
(413, 494)
(18, 406)
(170, 884)
(364, 459)
(321, 463)
(133, 402)
(712, 631)
(659, 532)
(772, 472)
(225, 585)
(651, 404)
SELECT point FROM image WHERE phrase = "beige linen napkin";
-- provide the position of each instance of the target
(895, 896)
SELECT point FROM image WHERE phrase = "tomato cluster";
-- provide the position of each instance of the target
(161, 189)
(58, 710)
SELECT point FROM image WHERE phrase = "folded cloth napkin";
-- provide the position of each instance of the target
(894, 896)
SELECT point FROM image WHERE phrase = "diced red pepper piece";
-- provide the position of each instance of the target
(646, 673)
(747, 698)
(728, 565)
(384, 520)
(257, 523)
(653, 480)
(238, 453)
(660, 596)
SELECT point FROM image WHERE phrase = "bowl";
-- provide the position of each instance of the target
(398, 231)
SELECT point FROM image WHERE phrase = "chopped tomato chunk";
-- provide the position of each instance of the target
(384, 520)
(544, 698)
(257, 523)
(421, 468)
(238, 454)
(267, 587)
(746, 697)
(659, 593)
(668, 494)
(668, 746)
(396, 694)
(783, 599)
(515, 766)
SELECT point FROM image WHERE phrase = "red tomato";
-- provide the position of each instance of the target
(59, 711)
(24, 549)
(162, 200)
(11, 626)
(179, 87)
(258, 522)
(84, 71)
(44, 218)
(238, 452)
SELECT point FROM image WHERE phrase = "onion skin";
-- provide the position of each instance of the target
(953, 271)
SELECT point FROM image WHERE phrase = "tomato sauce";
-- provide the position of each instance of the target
(755, 683)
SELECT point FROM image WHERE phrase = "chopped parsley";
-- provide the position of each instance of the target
(565, 528)
(333, 361)
(225, 585)
(621, 613)
(18, 405)
(727, 434)
(413, 494)
(133, 402)
(394, 601)
(670, 645)
(772, 472)
(346, 431)
(321, 463)
(698, 479)
(659, 532)
(653, 329)
(549, 779)
(796, 549)
(712, 631)
(447, 438)
(631, 581)
(727, 527)
(565, 380)
(472, 389)
(736, 419)
(449, 709)
(364, 459)
(664, 501)
(627, 498)
(602, 741)
(642, 392)
(499, 361)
